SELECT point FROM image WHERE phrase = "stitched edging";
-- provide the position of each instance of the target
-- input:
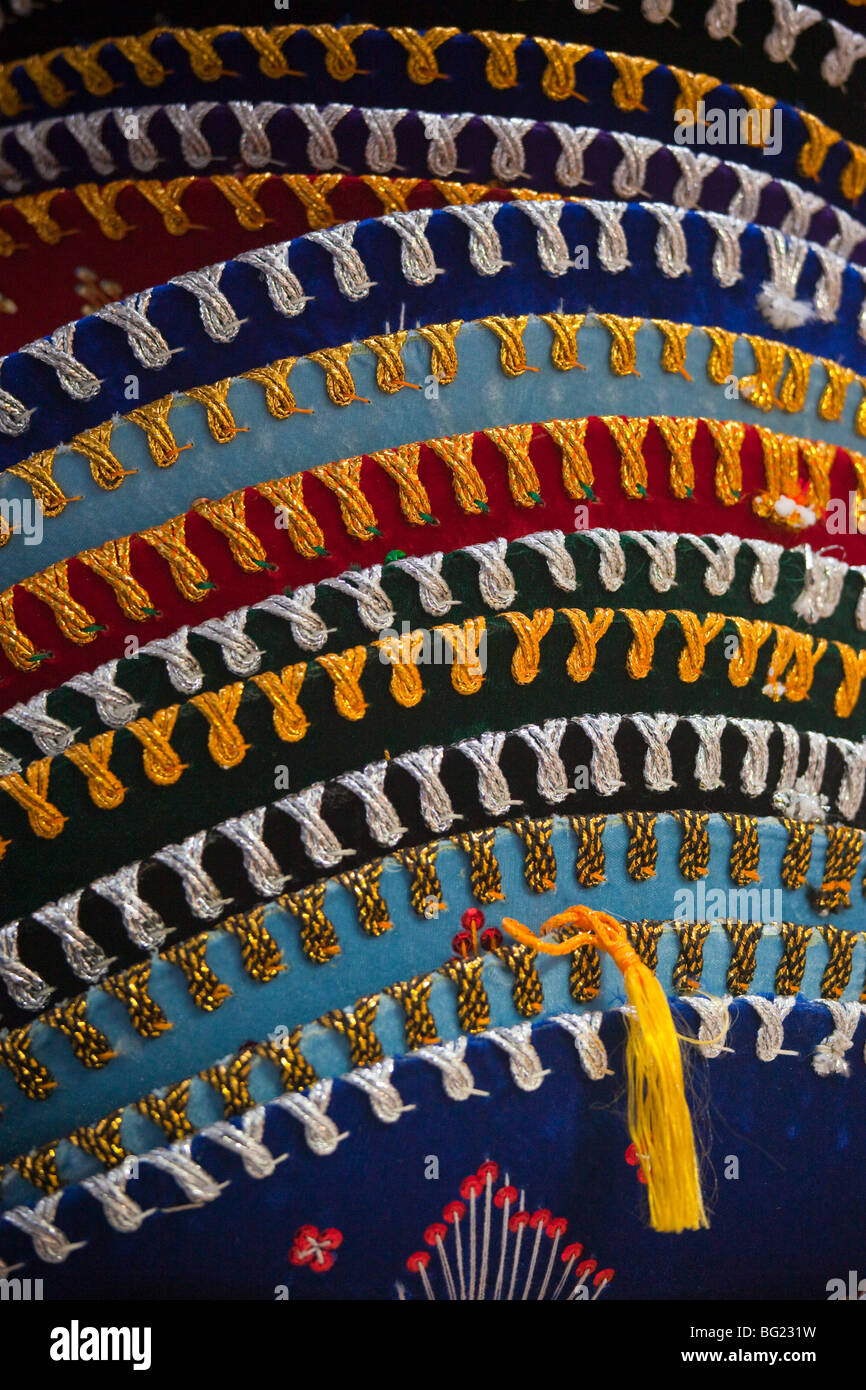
(265, 275)
(558, 82)
(790, 23)
(786, 500)
(443, 136)
(781, 378)
(307, 1096)
(231, 713)
(96, 205)
(826, 583)
(69, 918)
(243, 1136)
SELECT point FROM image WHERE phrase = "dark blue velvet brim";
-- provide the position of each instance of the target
(520, 287)
(792, 1221)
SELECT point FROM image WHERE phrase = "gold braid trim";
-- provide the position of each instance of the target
(39, 1168)
(527, 991)
(356, 1026)
(841, 861)
(690, 961)
(484, 875)
(625, 72)
(90, 1046)
(207, 991)
(112, 563)
(791, 670)
(169, 1110)
(694, 858)
(539, 865)
(425, 893)
(228, 516)
(102, 1140)
(589, 864)
(422, 67)
(231, 1080)
(363, 884)
(318, 937)
(584, 981)
(294, 1070)
(643, 851)
(762, 389)
(261, 957)
(220, 420)
(745, 849)
(744, 940)
(792, 965)
(798, 853)
(414, 998)
(837, 972)
(131, 988)
(473, 1005)
(29, 1075)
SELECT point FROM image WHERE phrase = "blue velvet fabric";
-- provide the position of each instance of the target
(367, 965)
(521, 286)
(791, 1221)
(480, 397)
(382, 79)
(290, 144)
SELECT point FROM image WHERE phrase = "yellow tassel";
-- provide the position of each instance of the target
(658, 1114)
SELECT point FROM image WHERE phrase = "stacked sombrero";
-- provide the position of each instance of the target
(432, 612)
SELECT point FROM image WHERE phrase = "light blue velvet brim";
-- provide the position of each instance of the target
(367, 965)
(480, 397)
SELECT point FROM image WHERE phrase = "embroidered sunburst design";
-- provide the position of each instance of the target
(490, 1246)
(93, 291)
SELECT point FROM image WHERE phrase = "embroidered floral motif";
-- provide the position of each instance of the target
(315, 1249)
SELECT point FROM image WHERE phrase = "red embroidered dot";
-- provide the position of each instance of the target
(491, 938)
(505, 1194)
(604, 1276)
(453, 1212)
(489, 1170)
(587, 1266)
(420, 1260)
(472, 919)
(539, 1218)
(572, 1252)
(472, 1186)
(557, 1227)
(631, 1155)
(435, 1233)
(463, 945)
(520, 1218)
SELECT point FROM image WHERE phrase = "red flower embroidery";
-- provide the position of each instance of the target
(314, 1248)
